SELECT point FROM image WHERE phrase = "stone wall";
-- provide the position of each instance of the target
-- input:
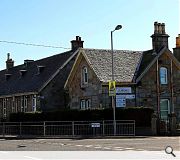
(147, 92)
(90, 91)
(53, 96)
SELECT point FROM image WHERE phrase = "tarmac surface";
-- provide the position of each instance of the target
(103, 144)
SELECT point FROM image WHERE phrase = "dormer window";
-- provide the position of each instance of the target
(84, 76)
(163, 75)
(7, 76)
(40, 69)
(22, 72)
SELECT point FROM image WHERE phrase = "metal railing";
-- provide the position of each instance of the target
(68, 128)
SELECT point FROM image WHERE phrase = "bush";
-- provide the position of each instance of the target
(141, 115)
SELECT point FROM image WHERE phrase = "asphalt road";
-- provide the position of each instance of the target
(113, 144)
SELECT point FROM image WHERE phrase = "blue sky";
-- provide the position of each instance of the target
(57, 22)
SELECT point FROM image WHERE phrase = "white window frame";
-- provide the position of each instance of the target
(16, 104)
(85, 104)
(168, 110)
(84, 75)
(34, 103)
(25, 103)
(4, 108)
(22, 103)
(163, 74)
(13, 105)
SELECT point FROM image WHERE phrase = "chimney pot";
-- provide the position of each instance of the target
(155, 27)
(159, 28)
(75, 44)
(178, 41)
(159, 38)
(163, 28)
(9, 62)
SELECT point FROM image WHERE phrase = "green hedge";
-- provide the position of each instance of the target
(141, 115)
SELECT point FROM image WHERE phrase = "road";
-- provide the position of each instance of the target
(113, 144)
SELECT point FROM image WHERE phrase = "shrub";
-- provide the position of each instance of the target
(141, 115)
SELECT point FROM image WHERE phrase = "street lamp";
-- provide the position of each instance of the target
(118, 27)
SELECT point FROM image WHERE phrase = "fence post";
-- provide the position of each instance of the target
(44, 128)
(103, 127)
(3, 129)
(20, 128)
(134, 127)
(73, 128)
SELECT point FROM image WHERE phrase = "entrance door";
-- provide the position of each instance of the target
(164, 108)
(164, 111)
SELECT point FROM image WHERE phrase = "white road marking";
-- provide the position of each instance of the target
(97, 147)
(129, 148)
(118, 147)
(107, 148)
(33, 158)
(88, 146)
(79, 145)
(140, 150)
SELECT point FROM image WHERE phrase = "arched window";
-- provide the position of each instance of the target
(163, 75)
(84, 75)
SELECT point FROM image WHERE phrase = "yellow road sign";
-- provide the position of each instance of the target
(112, 88)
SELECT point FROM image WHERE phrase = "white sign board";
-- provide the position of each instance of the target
(120, 102)
(95, 125)
(125, 96)
(123, 90)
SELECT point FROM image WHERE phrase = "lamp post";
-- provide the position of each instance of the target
(118, 27)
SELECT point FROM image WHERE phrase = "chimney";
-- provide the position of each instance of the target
(159, 38)
(176, 51)
(75, 44)
(9, 62)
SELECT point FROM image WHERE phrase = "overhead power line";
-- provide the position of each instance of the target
(31, 44)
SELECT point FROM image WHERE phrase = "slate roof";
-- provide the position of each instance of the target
(31, 81)
(147, 58)
(125, 64)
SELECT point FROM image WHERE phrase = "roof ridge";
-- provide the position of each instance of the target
(110, 49)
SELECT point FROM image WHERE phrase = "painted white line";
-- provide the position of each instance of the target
(79, 145)
(118, 147)
(88, 146)
(97, 147)
(140, 150)
(129, 148)
(33, 158)
(107, 148)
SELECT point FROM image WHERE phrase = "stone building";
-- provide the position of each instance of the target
(79, 79)
(143, 78)
(36, 85)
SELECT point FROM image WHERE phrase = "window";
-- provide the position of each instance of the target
(13, 105)
(25, 103)
(4, 108)
(163, 75)
(85, 104)
(22, 103)
(84, 75)
(164, 108)
(34, 103)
